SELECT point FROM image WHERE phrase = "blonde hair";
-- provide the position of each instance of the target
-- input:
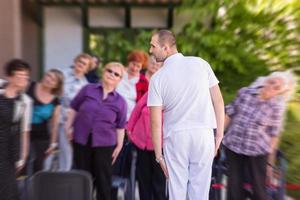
(58, 90)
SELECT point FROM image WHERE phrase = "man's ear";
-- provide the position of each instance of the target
(166, 48)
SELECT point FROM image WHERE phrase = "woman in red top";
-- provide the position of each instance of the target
(151, 179)
(134, 84)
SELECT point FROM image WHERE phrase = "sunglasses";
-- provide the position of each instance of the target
(113, 73)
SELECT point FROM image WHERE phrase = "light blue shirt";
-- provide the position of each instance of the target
(72, 85)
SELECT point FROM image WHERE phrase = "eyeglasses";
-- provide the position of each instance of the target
(21, 75)
(82, 62)
(112, 72)
(275, 85)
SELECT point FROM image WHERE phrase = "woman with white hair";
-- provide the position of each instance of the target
(253, 123)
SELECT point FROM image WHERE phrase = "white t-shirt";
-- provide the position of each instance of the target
(127, 89)
(182, 86)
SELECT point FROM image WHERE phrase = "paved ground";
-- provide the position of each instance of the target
(121, 195)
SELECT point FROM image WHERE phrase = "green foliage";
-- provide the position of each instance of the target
(114, 45)
(242, 39)
(290, 141)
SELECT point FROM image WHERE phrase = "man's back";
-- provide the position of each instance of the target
(181, 86)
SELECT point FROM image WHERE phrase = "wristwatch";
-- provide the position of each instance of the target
(20, 163)
(53, 145)
(159, 159)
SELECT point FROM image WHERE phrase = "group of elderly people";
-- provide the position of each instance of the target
(64, 107)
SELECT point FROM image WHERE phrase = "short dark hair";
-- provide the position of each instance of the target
(98, 58)
(166, 37)
(16, 65)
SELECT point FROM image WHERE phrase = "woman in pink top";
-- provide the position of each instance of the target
(150, 177)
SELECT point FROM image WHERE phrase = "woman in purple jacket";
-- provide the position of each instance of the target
(96, 124)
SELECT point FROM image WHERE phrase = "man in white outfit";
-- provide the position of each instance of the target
(186, 90)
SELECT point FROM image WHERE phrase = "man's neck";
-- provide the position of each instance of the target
(172, 52)
(11, 91)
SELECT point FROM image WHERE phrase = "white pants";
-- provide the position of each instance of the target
(65, 155)
(189, 155)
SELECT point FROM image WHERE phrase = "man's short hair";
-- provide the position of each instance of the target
(16, 65)
(166, 37)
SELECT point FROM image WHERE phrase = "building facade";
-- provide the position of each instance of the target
(50, 33)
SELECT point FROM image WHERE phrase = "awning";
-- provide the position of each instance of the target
(110, 2)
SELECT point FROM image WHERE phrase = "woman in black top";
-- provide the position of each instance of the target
(45, 117)
(13, 106)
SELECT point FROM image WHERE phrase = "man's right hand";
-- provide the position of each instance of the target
(163, 166)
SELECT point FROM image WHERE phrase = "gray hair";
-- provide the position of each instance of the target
(289, 80)
(258, 82)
